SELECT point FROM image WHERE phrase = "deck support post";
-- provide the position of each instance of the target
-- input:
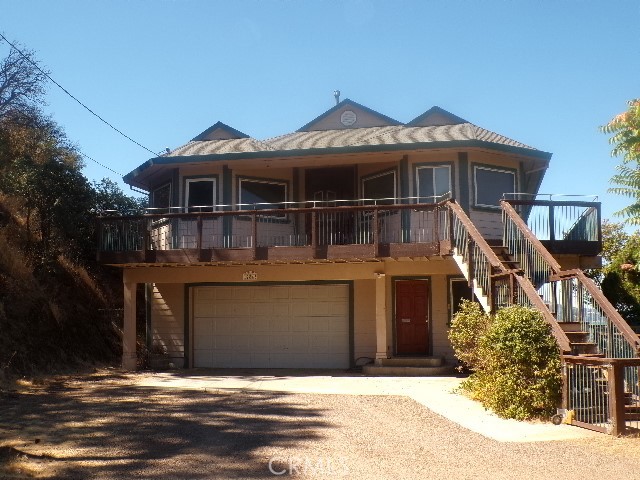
(129, 356)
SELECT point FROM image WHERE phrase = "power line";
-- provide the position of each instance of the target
(82, 104)
(84, 155)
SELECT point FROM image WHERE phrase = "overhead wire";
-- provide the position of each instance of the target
(28, 59)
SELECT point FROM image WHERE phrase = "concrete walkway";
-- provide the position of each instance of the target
(435, 393)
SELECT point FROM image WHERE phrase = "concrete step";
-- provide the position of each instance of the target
(397, 371)
(411, 362)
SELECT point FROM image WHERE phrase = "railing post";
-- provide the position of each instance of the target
(616, 398)
(552, 224)
(314, 232)
(254, 233)
(376, 235)
(565, 386)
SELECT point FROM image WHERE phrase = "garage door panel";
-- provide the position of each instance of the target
(202, 357)
(260, 324)
(279, 326)
(204, 325)
(319, 308)
(320, 324)
(299, 309)
(300, 325)
(337, 325)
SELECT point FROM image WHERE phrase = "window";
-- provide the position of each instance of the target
(200, 194)
(380, 186)
(433, 182)
(253, 193)
(161, 197)
(491, 184)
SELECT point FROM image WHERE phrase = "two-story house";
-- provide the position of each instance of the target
(348, 241)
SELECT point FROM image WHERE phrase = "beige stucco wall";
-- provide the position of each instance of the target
(364, 319)
(167, 302)
(167, 320)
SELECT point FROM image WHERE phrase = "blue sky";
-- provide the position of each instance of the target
(546, 73)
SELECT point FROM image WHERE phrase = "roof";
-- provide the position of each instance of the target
(348, 127)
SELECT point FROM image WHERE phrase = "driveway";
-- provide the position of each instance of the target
(203, 424)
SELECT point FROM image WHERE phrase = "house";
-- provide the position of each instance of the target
(349, 241)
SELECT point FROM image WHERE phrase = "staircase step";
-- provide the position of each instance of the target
(632, 409)
(588, 355)
(570, 326)
(577, 337)
(411, 362)
(398, 371)
(584, 347)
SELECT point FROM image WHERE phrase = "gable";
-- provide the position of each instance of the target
(436, 117)
(219, 131)
(346, 115)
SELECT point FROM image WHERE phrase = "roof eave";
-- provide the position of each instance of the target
(129, 178)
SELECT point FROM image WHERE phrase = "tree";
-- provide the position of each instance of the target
(625, 131)
(22, 81)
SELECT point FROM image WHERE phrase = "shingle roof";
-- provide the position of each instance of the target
(435, 125)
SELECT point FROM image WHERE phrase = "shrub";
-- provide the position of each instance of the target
(468, 326)
(519, 373)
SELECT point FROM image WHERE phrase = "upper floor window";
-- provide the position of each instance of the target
(200, 194)
(261, 194)
(490, 184)
(433, 182)
(161, 197)
(380, 189)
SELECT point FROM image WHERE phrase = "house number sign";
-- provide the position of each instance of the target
(250, 275)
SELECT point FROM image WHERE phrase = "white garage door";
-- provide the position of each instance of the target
(271, 326)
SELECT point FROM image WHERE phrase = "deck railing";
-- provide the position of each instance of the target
(562, 226)
(308, 232)
(602, 394)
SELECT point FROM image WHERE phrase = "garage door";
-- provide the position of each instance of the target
(271, 326)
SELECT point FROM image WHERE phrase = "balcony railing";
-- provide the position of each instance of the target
(562, 224)
(276, 232)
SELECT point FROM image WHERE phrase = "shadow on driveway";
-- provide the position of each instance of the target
(101, 431)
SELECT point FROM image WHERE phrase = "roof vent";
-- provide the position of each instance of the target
(336, 94)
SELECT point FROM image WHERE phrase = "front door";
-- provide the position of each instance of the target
(412, 317)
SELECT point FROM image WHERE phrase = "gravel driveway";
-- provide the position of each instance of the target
(105, 427)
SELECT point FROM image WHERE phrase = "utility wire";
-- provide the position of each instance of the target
(82, 104)
(84, 155)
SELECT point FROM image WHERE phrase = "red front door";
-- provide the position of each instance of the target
(412, 317)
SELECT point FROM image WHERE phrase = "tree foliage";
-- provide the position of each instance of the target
(22, 81)
(625, 138)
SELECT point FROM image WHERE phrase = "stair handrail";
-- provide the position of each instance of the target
(603, 302)
(529, 236)
(524, 283)
(475, 235)
(538, 303)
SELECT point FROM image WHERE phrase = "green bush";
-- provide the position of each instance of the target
(468, 326)
(519, 374)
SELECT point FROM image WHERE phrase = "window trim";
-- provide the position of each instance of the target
(200, 178)
(419, 166)
(492, 168)
(153, 193)
(272, 181)
(364, 178)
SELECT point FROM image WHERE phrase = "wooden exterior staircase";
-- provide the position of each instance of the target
(601, 353)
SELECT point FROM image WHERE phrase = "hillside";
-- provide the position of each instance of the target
(52, 316)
